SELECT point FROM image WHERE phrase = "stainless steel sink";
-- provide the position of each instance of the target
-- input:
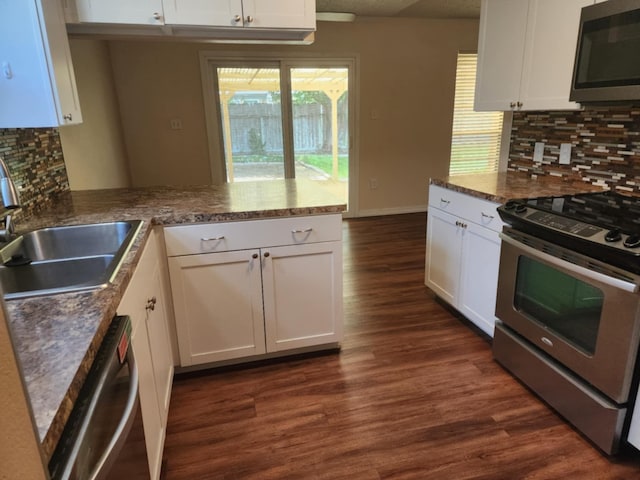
(65, 259)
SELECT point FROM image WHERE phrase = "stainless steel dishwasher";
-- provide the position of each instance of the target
(104, 438)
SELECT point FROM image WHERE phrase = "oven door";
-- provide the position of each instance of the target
(580, 311)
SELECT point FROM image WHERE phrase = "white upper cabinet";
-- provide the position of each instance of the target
(526, 51)
(279, 13)
(37, 81)
(138, 12)
(215, 19)
(224, 13)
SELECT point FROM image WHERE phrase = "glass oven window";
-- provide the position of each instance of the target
(565, 305)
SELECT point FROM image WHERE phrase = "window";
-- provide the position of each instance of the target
(475, 138)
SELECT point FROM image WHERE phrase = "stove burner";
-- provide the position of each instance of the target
(603, 225)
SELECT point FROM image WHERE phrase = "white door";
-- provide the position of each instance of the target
(500, 49)
(221, 13)
(139, 12)
(444, 244)
(154, 430)
(549, 54)
(279, 13)
(479, 276)
(302, 295)
(159, 343)
(218, 305)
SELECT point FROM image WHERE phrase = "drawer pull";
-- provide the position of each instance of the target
(442, 200)
(211, 239)
(151, 303)
(484, 215)
(306, 230)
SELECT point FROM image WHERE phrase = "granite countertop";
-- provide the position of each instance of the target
(500, 187)
(56, 337)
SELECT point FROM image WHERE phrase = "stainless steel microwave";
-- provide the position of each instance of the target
(607, 64)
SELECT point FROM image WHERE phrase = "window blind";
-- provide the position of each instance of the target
(475, 139)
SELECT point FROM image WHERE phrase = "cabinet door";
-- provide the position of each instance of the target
(500, 51)
(479, 276)
(159, 343)
(280, 14)
(442, 262)
(138, 12)
(302, 287)
(223, 13)
(151, 346)
(549, 54)
(218, 306)
(37, 81)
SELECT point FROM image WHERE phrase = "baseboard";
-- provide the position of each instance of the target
(376, 212)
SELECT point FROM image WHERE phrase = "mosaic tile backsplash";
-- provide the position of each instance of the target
(605, 145)
(35, 161)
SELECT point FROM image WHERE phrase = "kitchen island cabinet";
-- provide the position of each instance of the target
(54, 362)
(463, 251)
(242, 289)
(526, 51)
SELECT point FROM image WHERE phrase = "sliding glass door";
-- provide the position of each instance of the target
(283, 119)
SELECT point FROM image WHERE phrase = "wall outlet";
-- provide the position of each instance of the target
(565, 153)
(538, 151)
(176, 124)
(373, 183)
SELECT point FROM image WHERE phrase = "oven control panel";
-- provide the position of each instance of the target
(564, 224)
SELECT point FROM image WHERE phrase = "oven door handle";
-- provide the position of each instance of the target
(618, 283)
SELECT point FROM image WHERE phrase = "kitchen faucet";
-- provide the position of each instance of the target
(10, 200)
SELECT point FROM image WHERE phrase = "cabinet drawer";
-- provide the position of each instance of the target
(226, 236)
(467, 207)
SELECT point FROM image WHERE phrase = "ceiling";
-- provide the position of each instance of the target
(403, 8)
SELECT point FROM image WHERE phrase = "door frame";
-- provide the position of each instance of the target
(210, 60)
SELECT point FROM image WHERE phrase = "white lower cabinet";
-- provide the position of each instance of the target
(463, 253)
(144, 302)
(284, 294)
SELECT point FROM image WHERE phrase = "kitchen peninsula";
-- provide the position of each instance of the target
(57, 336)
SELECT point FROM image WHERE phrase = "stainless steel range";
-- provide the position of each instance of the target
(568, 303)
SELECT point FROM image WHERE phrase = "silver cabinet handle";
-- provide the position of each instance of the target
(460, 224)
(151, 304)
(519, 104)
(484, 215)
(442, 200)
(249, 19)
(211, 239)
(306, 230)
(157, 16)
(512, 104)
(68, 117)
(237, 18)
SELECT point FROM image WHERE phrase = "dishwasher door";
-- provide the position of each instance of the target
(104, 438)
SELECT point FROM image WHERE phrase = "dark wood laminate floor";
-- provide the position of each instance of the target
(414, 394)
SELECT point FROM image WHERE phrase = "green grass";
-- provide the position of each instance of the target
(321, 162)
(325, 163)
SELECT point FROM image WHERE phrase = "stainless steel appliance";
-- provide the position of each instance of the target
(607, 65)
(104, 437)
(569, 306)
